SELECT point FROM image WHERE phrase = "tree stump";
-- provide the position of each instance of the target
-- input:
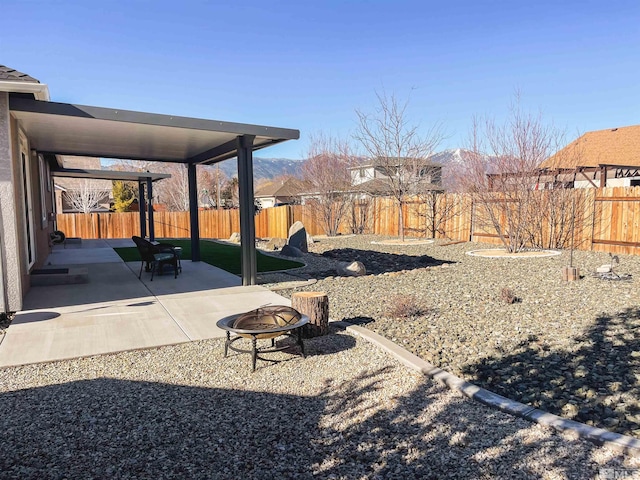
(315, 305)
(570, 274)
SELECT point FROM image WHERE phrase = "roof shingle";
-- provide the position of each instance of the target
(614, 146)
(288, 188)
(8, 73)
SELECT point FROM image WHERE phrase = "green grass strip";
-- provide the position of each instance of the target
(226, 257)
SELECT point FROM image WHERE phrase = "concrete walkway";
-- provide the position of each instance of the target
(116, 311)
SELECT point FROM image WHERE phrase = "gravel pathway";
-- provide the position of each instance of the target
(347, 411)
(570, 348)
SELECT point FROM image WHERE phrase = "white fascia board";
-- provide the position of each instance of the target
(39, 90)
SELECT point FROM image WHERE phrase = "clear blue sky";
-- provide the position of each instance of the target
(310, 64)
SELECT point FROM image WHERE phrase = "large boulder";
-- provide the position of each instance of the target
(298, 237)
(353, 269)
(289, 251)
(235, 237)
(275, 243)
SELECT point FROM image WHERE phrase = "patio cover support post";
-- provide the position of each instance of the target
(143, 217)
(193, 212)
(152, 229)
(247, 209)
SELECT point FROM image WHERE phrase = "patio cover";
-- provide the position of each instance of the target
(81, 130)
(144, 179)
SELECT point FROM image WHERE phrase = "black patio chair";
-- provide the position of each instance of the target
(156, 256)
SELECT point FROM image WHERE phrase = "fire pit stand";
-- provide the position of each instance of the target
(263, 323)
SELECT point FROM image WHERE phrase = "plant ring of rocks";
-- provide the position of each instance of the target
(502, 253)
(397, 241)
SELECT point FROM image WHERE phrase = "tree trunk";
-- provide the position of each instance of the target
(316, 306)
(401, 221)
(570, 274)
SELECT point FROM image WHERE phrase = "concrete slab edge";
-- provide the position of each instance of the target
(615, 441)
(89, 355)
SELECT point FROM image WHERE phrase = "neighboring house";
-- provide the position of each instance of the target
(608, 158)
(374, 178)
(70, 192)
(280, 192)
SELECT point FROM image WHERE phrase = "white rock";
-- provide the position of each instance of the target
(353, 269)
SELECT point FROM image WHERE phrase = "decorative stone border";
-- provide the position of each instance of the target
(616, 441)
(293, 284)
(335, 237)
(502, 253)
(401, 243)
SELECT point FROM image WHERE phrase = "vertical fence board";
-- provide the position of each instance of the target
(607, 220)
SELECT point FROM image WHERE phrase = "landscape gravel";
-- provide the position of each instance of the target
(570, 348)
(347, 411)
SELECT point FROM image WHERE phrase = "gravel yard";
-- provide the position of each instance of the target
(570, 348)
(347, 411)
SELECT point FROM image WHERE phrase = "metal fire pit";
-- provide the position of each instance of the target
(263, 323)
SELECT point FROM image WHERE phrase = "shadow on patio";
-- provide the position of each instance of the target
(116, 311)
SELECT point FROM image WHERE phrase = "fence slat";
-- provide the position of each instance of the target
(607, 219)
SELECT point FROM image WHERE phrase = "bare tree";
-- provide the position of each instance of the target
(231, 193)
(398, 150)
(511, 193)
(436, 209)
(174, 191)
(87, 195)
(210, 183)
(326, 172)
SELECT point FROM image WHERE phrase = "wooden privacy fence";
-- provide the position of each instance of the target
(608, 219)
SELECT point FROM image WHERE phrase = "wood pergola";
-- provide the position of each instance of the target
(600, 172)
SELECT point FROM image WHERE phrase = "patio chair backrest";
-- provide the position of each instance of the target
(146, 248)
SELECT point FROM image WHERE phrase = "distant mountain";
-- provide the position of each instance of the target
(453, 160)
(264, 167)
(449, 157)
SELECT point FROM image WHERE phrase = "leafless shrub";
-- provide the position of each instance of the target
(524, 205)
(407, 306)
(507, 296)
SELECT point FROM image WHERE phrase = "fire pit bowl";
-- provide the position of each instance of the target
(263, 323)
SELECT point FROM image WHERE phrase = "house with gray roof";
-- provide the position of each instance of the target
(375, 177)
(36, 134)
(281, 192)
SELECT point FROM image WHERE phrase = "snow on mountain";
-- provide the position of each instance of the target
(263, 167)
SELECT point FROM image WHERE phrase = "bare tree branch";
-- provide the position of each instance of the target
(512, 195)
(326, 171)
(398, 150)
(87, 195)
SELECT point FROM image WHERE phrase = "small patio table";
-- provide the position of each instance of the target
(263, 323)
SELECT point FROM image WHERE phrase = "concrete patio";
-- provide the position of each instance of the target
(115, 311)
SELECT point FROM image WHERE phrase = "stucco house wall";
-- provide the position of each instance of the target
(10, 248)
(14, 263)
